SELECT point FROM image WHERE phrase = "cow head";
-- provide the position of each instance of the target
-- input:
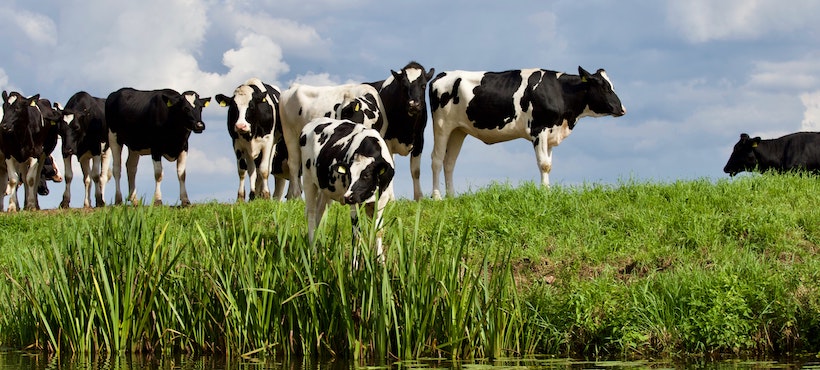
(243, 108)
(368, 172)
(601, 98)
(73, 128)
(743, 156)
(357, 108)
(16, 108)
(412, 82)
(187, 107)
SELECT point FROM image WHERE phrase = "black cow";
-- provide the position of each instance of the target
(799, 151)
(534, 104)
(254, 127)
(346, 162)
(158, 123)
(28, 134)
(85, 135)
(403, 97)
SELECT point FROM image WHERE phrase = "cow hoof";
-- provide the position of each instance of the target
(158, 202)
(185, 203)
(436, 195)
(64, 204)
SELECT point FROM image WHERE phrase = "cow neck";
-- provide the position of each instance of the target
(575, 96)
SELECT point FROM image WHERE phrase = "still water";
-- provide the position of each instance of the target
(36, 361)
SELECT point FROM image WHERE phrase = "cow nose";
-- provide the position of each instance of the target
(243, 128)
(413, 107)
(199, 127)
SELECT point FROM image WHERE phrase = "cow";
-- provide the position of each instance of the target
(300, 104)
(349, 163)
(253, 124)
(158, 123)
(403, 95)
(535, 104)
(85, 136)
(50, 173)
(280, 169)
(799, 151)
(28, 134)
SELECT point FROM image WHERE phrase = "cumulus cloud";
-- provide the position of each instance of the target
(811, 116)
(705, 20)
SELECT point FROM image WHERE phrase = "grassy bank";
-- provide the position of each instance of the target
(657, 269)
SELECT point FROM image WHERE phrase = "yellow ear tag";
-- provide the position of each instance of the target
(53, 123)
(206, 103)
(583, 79)
(33, 103)
(356, 109)
(754, 145)
(341, 169)
(169, 104)
(382, 171)
(223, 104)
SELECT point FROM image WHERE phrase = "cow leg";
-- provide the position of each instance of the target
(69, 175)
(415, 173)
(543, 156)
(4, 179)
(35, 168)
(182, 162)
(12, 185)
(100, 173)
(294, 163)
(158, 182)
(252, 176)
(440, 137)
(453, 148)
(131, 170)
(87, 167)
(242, 172)
(314, 209)
(263, 171)
(278, 188)
(116, 157)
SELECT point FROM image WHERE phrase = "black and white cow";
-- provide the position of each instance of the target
(405, 104)
(85, 136)
(253, 121)
(534, 104)
(799, 151)
(301, 104)
(158, 123)
(349, 163)
(28, 134)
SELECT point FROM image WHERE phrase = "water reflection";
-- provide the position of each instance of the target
(36, 361)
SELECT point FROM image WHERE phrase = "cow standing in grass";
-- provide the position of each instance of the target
(349, 163)
(534, 104)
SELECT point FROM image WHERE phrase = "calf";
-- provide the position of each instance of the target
(403, 96)
(302, 103)
(85, 136)
(534, 104)
(253, 117)
(158, 123)
(349, 163)
(799, 151)
(28, 134)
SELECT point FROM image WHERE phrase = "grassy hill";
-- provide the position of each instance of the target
(691, 267)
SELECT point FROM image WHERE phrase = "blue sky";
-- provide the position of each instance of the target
(692, 74)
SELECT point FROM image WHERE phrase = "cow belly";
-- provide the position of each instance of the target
(255, 146)
(493, 136)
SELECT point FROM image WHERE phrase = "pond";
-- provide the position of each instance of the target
(35, 361)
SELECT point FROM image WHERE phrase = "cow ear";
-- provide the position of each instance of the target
(430, 73)
(168, 101)
(755, 141)
(584, 74)
(5, 96)
(222, 100)
(395, 74)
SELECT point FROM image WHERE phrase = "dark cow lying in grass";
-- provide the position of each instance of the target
(794, 152)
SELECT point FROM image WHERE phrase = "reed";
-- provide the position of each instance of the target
(639, 268)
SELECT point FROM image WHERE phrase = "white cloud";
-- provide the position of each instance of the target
(811, 116)
(706, 20)
(258, 56)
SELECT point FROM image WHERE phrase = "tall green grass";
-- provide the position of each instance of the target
(691, 267)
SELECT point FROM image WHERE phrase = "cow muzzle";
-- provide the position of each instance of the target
(242, 128)
(199, 127)
(413, 108)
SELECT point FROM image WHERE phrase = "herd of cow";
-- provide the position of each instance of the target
(339, 139)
